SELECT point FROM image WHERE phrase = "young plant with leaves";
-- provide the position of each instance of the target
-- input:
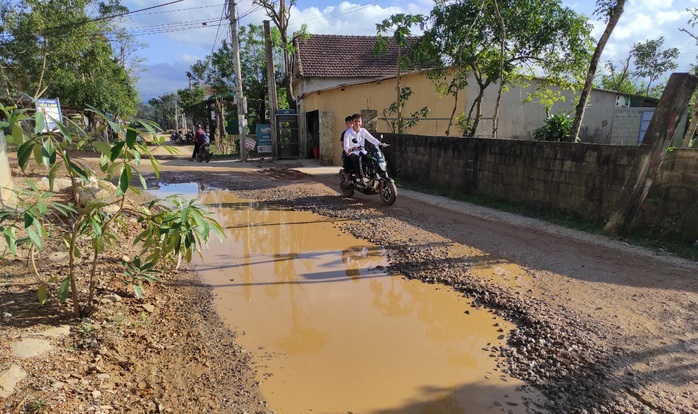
(400, 26)
(101, 222)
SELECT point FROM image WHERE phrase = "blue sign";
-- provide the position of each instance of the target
(263, 138)
(52, 113)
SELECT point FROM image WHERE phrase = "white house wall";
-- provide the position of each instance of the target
(518, 120)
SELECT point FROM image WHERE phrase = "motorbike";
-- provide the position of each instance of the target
(375, 171)
(189, 137)
(204, 152)
(176, 137)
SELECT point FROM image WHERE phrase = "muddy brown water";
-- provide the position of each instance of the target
(331, 331)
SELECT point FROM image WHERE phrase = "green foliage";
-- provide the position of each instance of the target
(55, 49)
(190, 100)
(403, 123)
(163, 110)
(556, 127)
(465, 125)
(99, 222)
(280, 14)
(541, 36)
(254, 69)
(620, 78)
(176, 233)
(651, 61)
(138, 272)
(400, 25)
(36, 405)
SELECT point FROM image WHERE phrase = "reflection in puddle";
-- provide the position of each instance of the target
(332, 332)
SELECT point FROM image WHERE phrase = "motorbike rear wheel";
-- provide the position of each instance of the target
(203, 155)
(388, 192)
(345, 186)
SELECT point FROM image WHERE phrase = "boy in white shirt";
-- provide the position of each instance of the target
(354, 141)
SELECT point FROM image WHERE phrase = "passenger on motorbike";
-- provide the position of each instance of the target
(354, 141)
(345, 160)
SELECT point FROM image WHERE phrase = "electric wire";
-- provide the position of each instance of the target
(218, 30)
(96, 19)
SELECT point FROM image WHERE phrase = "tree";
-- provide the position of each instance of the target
(254, 68)
(163, 110)
(190, 101)
(619, 77)
(651, 61)
(399, 25)
(497, 41)
(280, 18)
(56, 49)
(216, 75)
(611, 10)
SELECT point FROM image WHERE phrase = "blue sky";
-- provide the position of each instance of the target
(176, 37)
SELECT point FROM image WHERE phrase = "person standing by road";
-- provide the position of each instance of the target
(354, 141)
(198, 140)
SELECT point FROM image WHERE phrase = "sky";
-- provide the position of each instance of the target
(179, 32)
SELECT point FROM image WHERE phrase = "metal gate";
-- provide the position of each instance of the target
(288, 134)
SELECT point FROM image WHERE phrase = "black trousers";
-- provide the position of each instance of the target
(356, 159)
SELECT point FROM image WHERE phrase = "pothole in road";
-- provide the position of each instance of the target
(332, 332)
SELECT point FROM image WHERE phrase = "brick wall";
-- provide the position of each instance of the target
(581, 178)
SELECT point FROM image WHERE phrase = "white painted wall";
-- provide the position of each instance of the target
(518, 120)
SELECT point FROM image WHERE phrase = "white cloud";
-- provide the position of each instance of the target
(162, 78)
(180, 48)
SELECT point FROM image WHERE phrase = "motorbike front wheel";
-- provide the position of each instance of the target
(388, 192)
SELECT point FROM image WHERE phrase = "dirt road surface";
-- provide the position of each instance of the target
(603, 327)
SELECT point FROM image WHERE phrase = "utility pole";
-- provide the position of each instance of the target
(176, 114)
(271, 83)
(239, 97)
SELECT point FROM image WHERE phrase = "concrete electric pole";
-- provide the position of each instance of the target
(271, 83)
(239, 97)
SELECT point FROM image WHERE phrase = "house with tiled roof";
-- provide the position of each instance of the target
(336, 76)
(326, 61)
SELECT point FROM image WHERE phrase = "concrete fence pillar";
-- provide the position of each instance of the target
(7, 197)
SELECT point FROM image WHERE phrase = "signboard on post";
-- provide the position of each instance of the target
(52, 113)
(263, 139)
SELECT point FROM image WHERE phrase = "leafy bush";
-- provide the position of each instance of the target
(173, 230)
(556, 128)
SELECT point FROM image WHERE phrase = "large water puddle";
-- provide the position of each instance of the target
(332, 332)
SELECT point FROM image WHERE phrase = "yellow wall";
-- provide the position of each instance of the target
(378, 95)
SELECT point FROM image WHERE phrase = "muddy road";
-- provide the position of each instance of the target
(601, 326)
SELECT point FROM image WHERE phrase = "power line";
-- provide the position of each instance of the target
(110, 17)
(175, 27)
(183, 9)
(215, 40)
